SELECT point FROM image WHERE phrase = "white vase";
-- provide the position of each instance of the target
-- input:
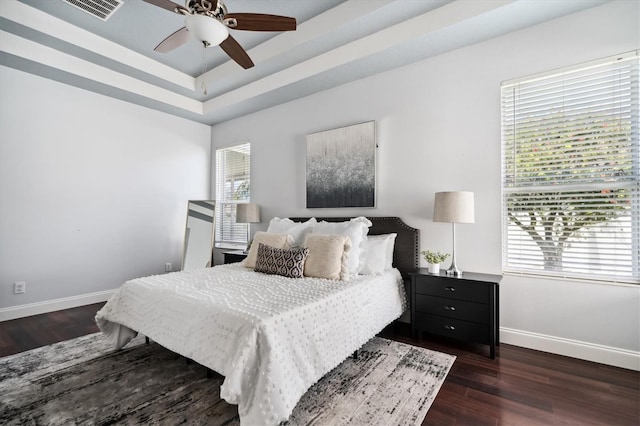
(434, 268)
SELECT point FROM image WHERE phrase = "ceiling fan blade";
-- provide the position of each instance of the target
(175, 40)
(259, 22)
(236, 52)
(169, 5)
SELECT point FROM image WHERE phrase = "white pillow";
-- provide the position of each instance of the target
(356, 229)
(298, 230)
(327, 256)
(281, 241)
(379, 254)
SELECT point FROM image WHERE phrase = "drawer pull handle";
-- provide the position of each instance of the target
(449, 327)
(450, 308)
(450, 288)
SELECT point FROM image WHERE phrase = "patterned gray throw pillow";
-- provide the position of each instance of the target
(288, 263)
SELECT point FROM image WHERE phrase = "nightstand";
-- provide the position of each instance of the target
(234, 256)
(464, 308)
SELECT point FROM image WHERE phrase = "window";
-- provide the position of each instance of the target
(570, 177)
(233, 186)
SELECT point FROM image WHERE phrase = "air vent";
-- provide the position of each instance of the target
(102, 9)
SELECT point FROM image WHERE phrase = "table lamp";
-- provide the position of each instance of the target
(454, 207)
(247, 213)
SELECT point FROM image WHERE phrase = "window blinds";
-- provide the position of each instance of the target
(233, 171)
(571, 172)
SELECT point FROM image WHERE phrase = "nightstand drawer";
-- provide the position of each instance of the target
(452, 308)
(453, 288)
(455, 328)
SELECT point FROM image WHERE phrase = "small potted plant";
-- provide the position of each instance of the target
(434, 259)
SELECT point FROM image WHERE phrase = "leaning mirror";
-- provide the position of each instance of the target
(198, 235)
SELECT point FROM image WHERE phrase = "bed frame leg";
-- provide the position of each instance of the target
(146, 340)
(355, 354)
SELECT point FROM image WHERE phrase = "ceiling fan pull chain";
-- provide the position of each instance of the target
(204, 68)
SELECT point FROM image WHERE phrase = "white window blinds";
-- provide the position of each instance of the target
(571, 204)
(233, 171)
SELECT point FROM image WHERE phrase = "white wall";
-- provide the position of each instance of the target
(438, 128)
(93, 190)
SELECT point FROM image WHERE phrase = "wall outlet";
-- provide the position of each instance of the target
(19, 287)
(168, 267)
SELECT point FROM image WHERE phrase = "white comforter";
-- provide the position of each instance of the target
(271, 337)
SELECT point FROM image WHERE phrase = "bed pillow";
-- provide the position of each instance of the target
(283, 241)
(298, 230)
(379, 254)
(327, 256)
(285, 262)
(356, 230)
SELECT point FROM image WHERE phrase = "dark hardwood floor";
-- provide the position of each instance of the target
(22, 334)
(519, 387)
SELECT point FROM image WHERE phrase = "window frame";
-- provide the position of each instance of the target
(227, 198)
(512, 189)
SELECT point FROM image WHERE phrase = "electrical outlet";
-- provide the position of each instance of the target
(19, 287)
(168, 267)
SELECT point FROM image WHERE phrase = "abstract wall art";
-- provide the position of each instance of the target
(341, 167)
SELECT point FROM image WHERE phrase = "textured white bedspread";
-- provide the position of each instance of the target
(272, 337)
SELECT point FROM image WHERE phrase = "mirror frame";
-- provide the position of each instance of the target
(195, 211)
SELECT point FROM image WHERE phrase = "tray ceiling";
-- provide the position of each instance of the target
(337, 41)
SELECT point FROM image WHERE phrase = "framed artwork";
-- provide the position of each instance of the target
(341, 167)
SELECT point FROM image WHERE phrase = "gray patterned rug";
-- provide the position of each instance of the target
(84, 382)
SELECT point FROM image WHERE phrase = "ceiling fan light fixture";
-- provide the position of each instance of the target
(207, 29)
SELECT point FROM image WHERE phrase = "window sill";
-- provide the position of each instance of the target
(621, 283)
(231, 246)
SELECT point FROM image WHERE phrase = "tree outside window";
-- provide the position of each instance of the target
(570, 172)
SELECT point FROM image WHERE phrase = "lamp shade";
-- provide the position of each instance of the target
(454, 207)
(206, 29)
(247, 213)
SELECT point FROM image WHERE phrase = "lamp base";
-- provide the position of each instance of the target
(454, 271)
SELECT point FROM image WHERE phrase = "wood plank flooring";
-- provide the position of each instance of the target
(32, 332)
(519, 387)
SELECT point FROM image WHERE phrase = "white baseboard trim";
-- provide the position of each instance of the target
(608, 355)
(37, 308)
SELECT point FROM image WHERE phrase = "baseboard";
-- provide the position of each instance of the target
(573, 348)
(29, 309)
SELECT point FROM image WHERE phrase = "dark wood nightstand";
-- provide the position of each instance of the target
(464, 308)
(234, 256)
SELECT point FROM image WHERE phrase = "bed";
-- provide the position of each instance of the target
(272, 337)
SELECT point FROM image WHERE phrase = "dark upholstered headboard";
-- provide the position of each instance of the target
(407, 247)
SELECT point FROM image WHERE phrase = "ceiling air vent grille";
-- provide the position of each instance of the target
(102, 9)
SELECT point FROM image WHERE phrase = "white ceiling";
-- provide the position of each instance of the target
(337, 41)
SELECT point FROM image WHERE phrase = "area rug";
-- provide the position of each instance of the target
(85, 382)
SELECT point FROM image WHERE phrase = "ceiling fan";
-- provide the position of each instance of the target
(209, 23)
